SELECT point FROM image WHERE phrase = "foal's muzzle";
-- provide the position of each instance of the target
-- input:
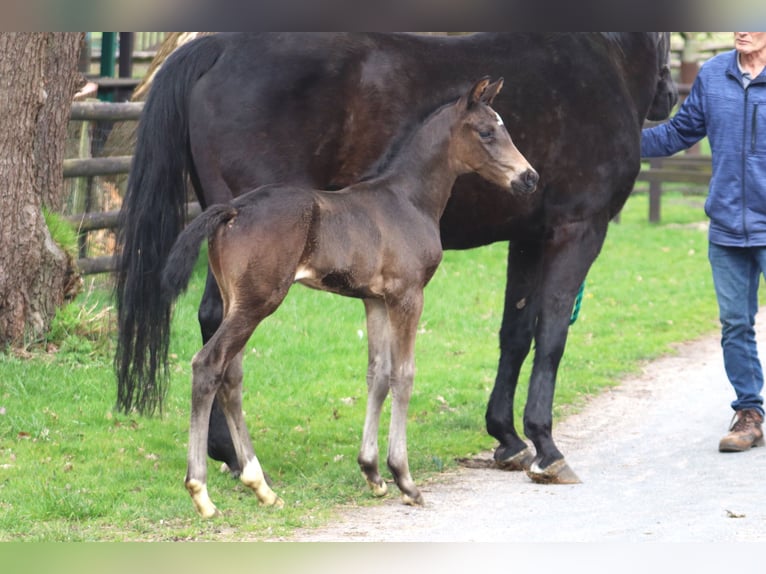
(526, 182)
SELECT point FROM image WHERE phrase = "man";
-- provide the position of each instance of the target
(727, 104)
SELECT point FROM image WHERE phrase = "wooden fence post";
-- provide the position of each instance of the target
(655, 192)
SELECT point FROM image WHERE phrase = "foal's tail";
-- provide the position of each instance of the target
(182, 257)
(151, 217)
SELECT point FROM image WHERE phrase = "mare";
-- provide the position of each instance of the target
(226, 111)
(377, 240)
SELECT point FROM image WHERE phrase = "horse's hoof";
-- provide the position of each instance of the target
(276, 503)
(522, 460)
(207, 510)
(378, 488)
(557, 472)
(417, 500)
(202, 503)
(209, 514)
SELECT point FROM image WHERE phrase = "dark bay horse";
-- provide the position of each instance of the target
(377, 240)
(225, 111)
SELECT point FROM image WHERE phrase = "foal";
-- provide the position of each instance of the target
(377, 240)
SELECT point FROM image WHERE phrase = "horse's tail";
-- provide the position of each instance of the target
(152, 215)
(182, 257)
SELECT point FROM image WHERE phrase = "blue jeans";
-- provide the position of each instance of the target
(736, 275)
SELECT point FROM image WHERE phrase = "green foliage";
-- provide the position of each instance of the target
(62, 232)
(81, 331)
(73, 469)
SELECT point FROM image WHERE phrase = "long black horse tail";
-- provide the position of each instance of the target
(182, 257)
(152, 215)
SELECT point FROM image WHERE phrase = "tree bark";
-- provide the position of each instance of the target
(38, 80)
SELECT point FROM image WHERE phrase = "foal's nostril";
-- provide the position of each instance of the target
(530, 179)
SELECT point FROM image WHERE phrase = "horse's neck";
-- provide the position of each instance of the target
(629, 51)
(422, 169)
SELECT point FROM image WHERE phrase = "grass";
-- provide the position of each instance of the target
(73, 469)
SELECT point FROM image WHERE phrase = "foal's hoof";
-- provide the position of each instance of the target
(276, 502)
(416, 500)
(202, 503)
(378, 489)
(521, 460)
(557, 472)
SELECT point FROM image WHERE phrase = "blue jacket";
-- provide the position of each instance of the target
(734, 119)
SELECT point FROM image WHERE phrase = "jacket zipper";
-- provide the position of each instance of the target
(753, 128)
(744, 173)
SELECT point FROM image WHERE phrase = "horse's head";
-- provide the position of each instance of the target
(666, 92)
(483, 144)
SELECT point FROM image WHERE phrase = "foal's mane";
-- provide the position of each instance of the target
(399, 142)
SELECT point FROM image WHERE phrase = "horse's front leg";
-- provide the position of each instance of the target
(230, 399)
(403, 315)
(571, 251)
(522, 302)
(378, 373)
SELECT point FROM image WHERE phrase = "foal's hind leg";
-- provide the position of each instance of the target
(210, 367)
(204, 385)
(230, 399)
(378, 373)
(219, 442)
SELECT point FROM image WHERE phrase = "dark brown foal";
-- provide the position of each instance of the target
(377, 240)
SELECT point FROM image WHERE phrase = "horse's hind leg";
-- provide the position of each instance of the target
(378, 373)
(403, 317)
(230, 399)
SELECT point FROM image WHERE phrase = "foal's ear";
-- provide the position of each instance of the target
(492, 90)
(474, 95)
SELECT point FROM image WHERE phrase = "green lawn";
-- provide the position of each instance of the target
(71, 468)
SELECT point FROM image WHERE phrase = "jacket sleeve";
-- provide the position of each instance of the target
(683, 130)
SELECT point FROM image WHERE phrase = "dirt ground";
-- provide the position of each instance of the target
(646, 453)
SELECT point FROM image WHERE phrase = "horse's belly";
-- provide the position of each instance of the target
(340, 281)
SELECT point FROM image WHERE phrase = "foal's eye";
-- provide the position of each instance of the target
(486, 134)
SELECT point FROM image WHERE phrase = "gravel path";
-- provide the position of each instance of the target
(646, 453)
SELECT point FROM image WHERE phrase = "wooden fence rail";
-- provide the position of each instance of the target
(93, 166)
(106, 111)
(90, 167)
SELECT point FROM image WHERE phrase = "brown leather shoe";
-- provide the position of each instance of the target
(745, 432)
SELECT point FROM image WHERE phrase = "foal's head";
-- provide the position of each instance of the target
(482, 144)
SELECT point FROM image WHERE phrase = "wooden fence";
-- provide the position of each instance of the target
(89, 168)
(692, 169)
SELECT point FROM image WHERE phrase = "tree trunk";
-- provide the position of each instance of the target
(38, 79)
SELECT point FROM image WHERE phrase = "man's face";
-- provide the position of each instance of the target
(750, 42)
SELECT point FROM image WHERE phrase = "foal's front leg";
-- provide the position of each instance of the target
(378, 373)
(403, 315)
